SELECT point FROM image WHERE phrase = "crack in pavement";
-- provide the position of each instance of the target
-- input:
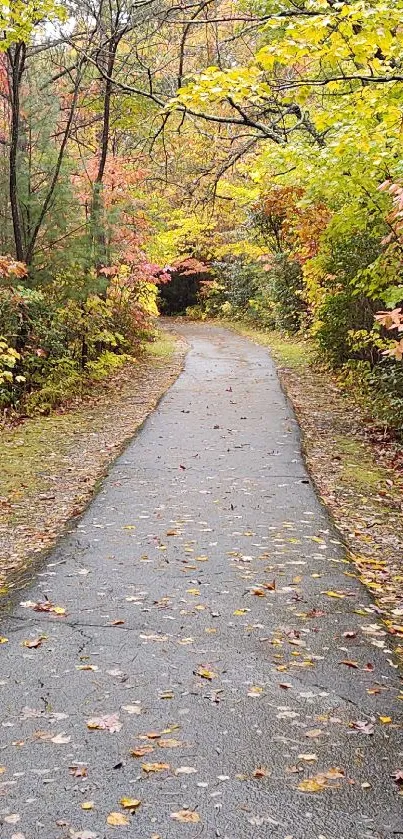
(202, 565)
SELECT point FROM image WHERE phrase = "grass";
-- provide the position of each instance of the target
(289, 352)
(33, 452)
(162, 347)
(358, 464)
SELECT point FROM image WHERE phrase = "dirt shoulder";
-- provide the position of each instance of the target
(51, 466)
(357, 470)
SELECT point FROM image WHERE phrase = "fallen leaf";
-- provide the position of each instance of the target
(170, 743)
(130, 803)
(143, 750)
(60, 739)
(363, 726)
(132, 709)
(398, 776)
(186, 816)
(334, 773)
(334, 594)
(87, 805)
(316, 784)
(314, 732)
(14, 818)
(107, 722)
(3, 640)
(385, 720)
(204, 673)
(155, 767)
(308, 757)
(261, 772)
(348, 663)
(185, 770)
(255, 691)
(117, 819)
(46, 606)
(78, 771)
(34, 643)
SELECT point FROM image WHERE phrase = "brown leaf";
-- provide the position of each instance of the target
(78, 771)
(34, 643)
(398, 776)
(142, 751)
(269, 586)
(348, 663)
(261, 772)
(186, 816)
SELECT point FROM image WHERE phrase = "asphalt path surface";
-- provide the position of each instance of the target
(217, 661)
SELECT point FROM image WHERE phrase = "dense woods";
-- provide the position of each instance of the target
(247, 152)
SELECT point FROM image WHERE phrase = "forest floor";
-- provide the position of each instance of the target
(197, 657)
(52, 465)
(356, 466)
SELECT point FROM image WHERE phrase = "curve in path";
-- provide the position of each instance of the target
(198, 630)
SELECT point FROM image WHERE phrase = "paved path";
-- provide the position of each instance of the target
(174, 630)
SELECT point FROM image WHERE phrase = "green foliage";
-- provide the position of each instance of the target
(51, 346)
(285, 291)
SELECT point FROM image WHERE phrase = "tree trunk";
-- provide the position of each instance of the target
(16, 59)
(97, 221)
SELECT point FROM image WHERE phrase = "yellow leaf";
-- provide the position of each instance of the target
(255, 690)
(313, 784)
(130, 803)
(204, 673)
(240, 611)
(117, 819)
(334, 594)
(87, 805)
(385, 720)
(170, 743)
(3, 640)
(186, 816)
(155, 767)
